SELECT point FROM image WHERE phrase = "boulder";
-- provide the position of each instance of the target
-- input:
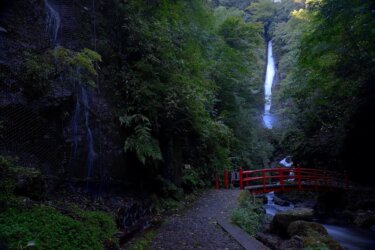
(313, 235)
(29, 183)
(264, 199)
(280, 202)
(365, 219)
(305, 228)
(281, 221)
(316, 241)
(295, 243)
(270, 240)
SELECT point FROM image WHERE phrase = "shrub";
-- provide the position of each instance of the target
(46, 228)
(250, 214)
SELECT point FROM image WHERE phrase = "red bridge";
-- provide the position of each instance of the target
(287, 179)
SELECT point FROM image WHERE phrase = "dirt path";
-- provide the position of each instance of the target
(197, 227)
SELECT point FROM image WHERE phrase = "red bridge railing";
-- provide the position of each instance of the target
(286, 179)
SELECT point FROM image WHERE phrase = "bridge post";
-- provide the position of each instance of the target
(241, 179)
(264, 182)
(281, 177)
(299, 177)
(226, 179)
(217, 182)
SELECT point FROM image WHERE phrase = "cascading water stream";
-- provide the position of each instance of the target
(349, 237)
(82, 110)
(91, 154)
(53, 22)
(75, 128)
(82, 97)
(270, 75)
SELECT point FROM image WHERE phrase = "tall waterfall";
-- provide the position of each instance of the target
(270, 75)
(91, 154)
(53, 22)
(81, 110)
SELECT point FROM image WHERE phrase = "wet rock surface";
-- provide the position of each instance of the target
(280, 202)
(281, 221)
(305, 228)
(197, 228)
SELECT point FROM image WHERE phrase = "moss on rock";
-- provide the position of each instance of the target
(314, 235)
(305, 228)
(281, 221)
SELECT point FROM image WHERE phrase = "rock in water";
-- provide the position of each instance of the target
(280, 202)
(313, 235)
(365, 219)
(305, 228)
(281, 221)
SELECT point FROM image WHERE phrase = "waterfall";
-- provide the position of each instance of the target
(75, 128)
(91, 154)
(270, 74)
(53, 22)
(81, 110)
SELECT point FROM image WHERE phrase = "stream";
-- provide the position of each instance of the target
(350, 238)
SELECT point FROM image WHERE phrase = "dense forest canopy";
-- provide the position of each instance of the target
(326, 95)
(182, 84)
(113, 112)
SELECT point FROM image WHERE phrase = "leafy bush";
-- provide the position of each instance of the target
(141, 142)
(46, 228)
(192, 180)
(42, 69)
(10, 175)
(143, 242)
(249, 215)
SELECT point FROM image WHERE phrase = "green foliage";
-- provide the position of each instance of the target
(326, 95)
(38, 74)
(81, 66)
(43, 69)
(44, 227)
(141, 141)
(262, 11)
(144, 241)
(7, 179)
(10, 175)
(249, 214)
(181, 71)
(192, 180)
(321, 246)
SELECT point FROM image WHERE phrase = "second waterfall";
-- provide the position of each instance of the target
(268, 118)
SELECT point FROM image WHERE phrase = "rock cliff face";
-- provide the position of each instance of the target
(36, 121)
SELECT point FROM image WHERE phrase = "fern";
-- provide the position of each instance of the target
(141, 141)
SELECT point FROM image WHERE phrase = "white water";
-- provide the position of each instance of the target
(91, 154)
(82, 110)
(270, 75)
(75, 127)
(82, 95)
(272, 208)
(350, 238)
(53, 21)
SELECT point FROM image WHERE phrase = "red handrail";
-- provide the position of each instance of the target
(300, 177)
